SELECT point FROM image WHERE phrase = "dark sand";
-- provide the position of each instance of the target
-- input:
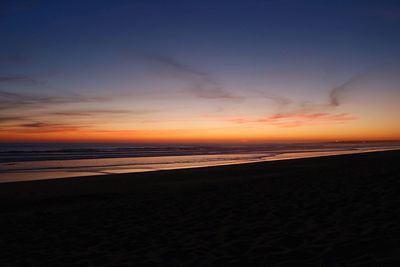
(327, 211)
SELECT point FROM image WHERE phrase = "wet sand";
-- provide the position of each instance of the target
(327, 211)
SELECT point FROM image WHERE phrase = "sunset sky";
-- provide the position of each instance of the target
(199, 71)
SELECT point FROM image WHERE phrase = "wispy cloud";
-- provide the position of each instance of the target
(41, 127)
(6, 119)
(202, 84)
(51, 114)
(286, 120)
(336, 97)
(34, 117)
(337, 94)
(18, 79)
(279, 101)
(11, 100)
(45, 127)
(92, 112)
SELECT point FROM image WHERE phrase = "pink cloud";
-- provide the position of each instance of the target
(288, 120)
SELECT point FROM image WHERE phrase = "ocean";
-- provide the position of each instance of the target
(35, 161)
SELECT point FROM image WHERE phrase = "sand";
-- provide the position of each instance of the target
(326, 211)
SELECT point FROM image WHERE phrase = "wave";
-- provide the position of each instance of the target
(57, 161)
(43, 151)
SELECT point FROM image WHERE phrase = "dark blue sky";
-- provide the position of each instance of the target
(293, 53)
(260, 32)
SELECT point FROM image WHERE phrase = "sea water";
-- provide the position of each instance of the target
(35, 161)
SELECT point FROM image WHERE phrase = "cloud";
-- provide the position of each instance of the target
(39, 125)
(50, 113)
(336, 97)
(280, 101)
(91, 112)
(286, 120)
(42, 127)
(10, 100)
(18, 79)
(338, 94)
(6, 119)
(45, 127)
(203, 84)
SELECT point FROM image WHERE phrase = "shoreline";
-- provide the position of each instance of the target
(119, 180)
(324, 211)
(50, 173)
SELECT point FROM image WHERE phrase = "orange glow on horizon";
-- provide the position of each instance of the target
(236, 135)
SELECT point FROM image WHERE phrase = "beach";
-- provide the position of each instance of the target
(36, 161)
(324, 211)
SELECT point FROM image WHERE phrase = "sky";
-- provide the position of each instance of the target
(199, 71)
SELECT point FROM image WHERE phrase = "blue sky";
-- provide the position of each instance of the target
(203, 58)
